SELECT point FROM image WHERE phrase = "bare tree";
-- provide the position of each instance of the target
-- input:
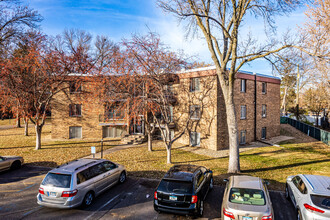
(220, 23)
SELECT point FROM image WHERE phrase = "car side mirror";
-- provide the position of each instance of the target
(289, 178)
(267, 182)
(226, 180)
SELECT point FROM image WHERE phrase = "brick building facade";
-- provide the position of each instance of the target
(257, 103)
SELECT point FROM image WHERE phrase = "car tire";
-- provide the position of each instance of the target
(201, 209)
(16, 165)
(287, 196)
(88, 199)
(211, 183)
(122, 177)
(299, 216)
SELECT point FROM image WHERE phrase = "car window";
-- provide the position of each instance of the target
(203, 169)
(2, 159)
(296, 180)
(97, 170)
(321, 201)
(175, 186)
(199, 179)
(302, 187)
(57, 180)
(247, 196)
(109, 166)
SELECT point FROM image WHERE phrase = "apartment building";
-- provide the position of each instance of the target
(257, 101)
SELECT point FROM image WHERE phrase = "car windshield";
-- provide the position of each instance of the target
(321, 201)
(247, 196)
(57, 180)
(175, 186)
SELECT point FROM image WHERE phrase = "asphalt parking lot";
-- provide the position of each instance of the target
(131, 200)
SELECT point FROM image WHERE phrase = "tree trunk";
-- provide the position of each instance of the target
(26, 126)
(38, 136)
(284, 100)
(234, 164)
(168, 149)
(149, 141)
(18, 121)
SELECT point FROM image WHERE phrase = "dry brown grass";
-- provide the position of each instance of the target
(52, 154)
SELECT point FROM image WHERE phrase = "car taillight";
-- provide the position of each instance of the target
(268, 217)
(228, 214)
(155, 195)
(41, 191)
(69, 193)
(193, 199)
(311, 208)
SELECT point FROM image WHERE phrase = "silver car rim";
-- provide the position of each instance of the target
(122, 177)
(89, 199)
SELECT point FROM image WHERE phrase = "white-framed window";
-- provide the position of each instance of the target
(264, 87)
(112, 132)
(243, 137)
(263, 133)
(170, 111)
(195, 112)
(194, 84)
(243, 85)
(75, 110)
(264, 111)
(243, 111)
(195, 138)
(75, 132)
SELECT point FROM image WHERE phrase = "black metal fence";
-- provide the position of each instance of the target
(312, 131)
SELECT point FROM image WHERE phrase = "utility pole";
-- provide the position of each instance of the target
(297, 95)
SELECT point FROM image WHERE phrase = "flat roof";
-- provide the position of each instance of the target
(240, 71)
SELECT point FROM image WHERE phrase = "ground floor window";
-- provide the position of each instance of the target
(243, 137)
(112, 132)
(195, 138)
(263, 133)
(75, 132)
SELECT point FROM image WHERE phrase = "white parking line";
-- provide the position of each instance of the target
(107, 203)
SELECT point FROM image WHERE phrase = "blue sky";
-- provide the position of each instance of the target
(120, 18)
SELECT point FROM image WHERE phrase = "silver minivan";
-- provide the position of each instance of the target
(79, 182)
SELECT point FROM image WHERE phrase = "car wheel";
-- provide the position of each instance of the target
(16, 165)
(287, 196)
(299, 217)
(122, 177)
(211, 183)
(88, 199)
(201, 208)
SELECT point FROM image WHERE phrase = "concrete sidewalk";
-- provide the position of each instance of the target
(114, 149)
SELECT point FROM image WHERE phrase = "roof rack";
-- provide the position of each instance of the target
(85, 165)
(67, 163)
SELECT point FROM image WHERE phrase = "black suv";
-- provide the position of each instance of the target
(183, 190)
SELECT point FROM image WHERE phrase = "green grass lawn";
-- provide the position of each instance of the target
(52, 154)
(271, 163)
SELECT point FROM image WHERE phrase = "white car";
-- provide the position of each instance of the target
(310, 195)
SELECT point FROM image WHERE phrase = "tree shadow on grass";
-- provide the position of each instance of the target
(284, 166)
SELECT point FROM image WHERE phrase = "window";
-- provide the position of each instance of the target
(243, 85)
(57, 180)
(264, 88)
(263, 133)
(194, 85)
(247, 196)
(75, 110)
(195, 111)
(243, 111)
(112, 132)
(170, 117)
(199, 179)
(302, 187)
(195, 139)
(75, 132)
(74, 87)
(113, 112)
(243, 137)
(263, 111)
